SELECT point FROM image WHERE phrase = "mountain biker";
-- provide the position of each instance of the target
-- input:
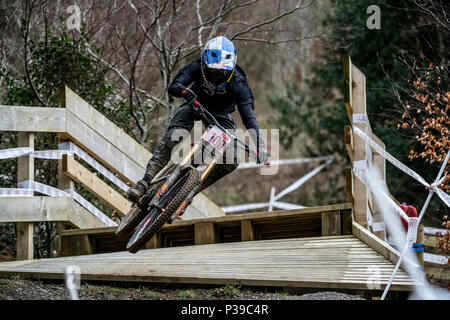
(220, 85)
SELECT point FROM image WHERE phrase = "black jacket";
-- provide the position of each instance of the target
(238, 93)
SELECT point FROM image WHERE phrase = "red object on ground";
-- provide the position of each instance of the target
(410, 212)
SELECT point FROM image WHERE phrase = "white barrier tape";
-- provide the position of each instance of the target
(362, 118)
(15, 152)
(242, 207)
(64, 148)
(378, 226)
(91, 208)
(19, 152)
(54, 192)
(411, 235)
(16, 192)
(94, 163)
(51, 154)
(389, 157)
(444, 197)
(249, 165)
(433, 231)
(287, 206)
(253, 206)
(369, 217)
(436, 259)
(42, 188)
(297, 184)
(361, 175)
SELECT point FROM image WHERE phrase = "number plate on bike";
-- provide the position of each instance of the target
(217, 138)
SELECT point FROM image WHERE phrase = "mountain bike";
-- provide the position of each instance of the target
(171, 191)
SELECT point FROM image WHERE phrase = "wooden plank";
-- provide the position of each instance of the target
(246, 263)
(266, 215)
(25, 164)
(375, 243)
(25, 171)
(261, 218)
(379, 162)
(347, 68)
(90, 231)
(430, 241)
(154, 242)
(348, 141)
(64, 183)
(247, 231)
(25, 241)
(442, 273)
(36, 209)
(104, 127)
(102, 150)
(346, 222)
(76, 245)
(32, 119)
(95, 185)
(205, 233)
(349, 184)
(331, 223)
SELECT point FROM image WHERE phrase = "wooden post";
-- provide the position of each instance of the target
(378, 227)
(76, 245)
(25, 171)
(348, 185)
(348, 141)
(420, 240)
(154, 242)
(359, 145)
(205, 233)
(247, 232)
(64, 182)
(331, 223)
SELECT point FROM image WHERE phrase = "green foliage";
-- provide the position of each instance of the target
(319, 110)
(185, 294)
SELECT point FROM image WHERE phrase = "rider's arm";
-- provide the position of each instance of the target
(184, 78)
(245, 103)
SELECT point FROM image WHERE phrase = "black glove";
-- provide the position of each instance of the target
(189, 95)
(262, 156)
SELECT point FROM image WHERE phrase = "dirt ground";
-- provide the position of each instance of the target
(20, 289)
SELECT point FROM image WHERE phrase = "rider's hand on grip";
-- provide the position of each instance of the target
(262, 157)
(189, 95)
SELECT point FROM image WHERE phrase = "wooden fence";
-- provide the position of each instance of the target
(91, 137)
(366, 211)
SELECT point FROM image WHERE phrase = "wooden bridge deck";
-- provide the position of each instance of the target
(340, 262)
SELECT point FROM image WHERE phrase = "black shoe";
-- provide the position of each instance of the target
(136, 192)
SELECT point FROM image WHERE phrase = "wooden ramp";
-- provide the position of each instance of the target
(339, 262)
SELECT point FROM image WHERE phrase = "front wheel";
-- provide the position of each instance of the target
(172, 201)
(138, 210)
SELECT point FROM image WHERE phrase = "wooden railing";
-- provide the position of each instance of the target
(87, 134)
(366, 211)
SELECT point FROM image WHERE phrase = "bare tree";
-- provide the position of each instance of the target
(148, 40)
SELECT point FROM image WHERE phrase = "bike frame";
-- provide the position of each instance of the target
(209, 119)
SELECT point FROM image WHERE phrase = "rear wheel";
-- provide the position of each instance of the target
(171, 202)
(138, 211)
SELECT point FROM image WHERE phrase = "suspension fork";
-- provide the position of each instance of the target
(175, 174)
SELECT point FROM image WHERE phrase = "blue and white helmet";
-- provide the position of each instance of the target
(218, 63)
